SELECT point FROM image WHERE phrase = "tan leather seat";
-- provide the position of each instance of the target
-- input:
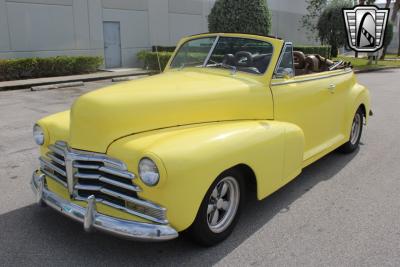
(312, 64)
(299, 60)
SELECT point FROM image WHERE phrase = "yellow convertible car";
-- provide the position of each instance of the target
(232, 114)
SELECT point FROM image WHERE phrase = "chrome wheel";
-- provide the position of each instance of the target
(223, 204)
(356, 129)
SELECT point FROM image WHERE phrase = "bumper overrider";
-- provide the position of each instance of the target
(91, 219)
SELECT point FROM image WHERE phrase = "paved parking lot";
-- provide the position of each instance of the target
(343, 210)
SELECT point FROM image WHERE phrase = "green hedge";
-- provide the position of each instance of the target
(323, 50)
(149, 58)
(25, 68)
(150, 61)
(160, 48)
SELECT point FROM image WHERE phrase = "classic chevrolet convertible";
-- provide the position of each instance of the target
(231, 115)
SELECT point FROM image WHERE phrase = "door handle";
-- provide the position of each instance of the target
(332, 87)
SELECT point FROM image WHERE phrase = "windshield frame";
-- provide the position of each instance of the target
(213, 46)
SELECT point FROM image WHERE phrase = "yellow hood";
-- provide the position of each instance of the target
(165, 100)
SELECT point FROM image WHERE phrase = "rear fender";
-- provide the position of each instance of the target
(359, 96)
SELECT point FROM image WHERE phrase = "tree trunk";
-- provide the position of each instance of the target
(398, 50)
(383, 53)
(334, 51)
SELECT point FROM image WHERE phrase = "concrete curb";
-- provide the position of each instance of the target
(24, 84)
(56, 86)
(128, 78)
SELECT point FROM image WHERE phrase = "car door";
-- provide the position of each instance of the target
(306, 101)
(341, 82)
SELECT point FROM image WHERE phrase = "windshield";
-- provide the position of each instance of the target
(237, 54)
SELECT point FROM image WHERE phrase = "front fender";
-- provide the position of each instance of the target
(56, 128)
(191, 157)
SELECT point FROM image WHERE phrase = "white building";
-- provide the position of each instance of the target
(117, 29)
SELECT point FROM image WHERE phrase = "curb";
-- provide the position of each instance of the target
(26, 84)
(56, 86)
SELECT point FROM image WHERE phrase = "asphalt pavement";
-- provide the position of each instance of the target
(343, 210)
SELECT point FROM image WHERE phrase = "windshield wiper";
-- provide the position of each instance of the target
(226, 66)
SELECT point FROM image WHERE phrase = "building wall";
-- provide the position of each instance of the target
(41, 28)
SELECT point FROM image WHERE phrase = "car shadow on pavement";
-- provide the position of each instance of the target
(41, 236)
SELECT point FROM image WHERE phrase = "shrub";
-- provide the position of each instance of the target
(323, 50)
(150, 60)
(25, 68)
(241, 16)
(163, 48)
(331, 28)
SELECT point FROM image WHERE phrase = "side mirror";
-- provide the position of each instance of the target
(286, 73)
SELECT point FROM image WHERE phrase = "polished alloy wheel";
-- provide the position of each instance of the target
(356, 129)
(223, 204)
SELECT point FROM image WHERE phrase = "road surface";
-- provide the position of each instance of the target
(344, 210)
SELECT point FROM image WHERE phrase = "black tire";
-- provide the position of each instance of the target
(200, 231)
(354, 141)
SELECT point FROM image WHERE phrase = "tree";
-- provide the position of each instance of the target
(367, 2)
(387, 39)
(310, 20)
(331, 28)
(396, 8)
(241, 16)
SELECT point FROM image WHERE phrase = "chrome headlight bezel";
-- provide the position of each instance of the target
(38, 135)
(149, 173)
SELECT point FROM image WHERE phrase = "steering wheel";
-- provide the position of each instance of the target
(243, 59)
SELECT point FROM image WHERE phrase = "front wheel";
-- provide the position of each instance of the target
(219, 210)
(355, 134)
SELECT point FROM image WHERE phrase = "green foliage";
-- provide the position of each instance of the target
(25, 68)
(322, 50)
(310, 20)
(387, 39)
(363, 63)
(331, 28)
(240, 16)
(150, 61)
(159, 48)
(388, 34)
(366, 2)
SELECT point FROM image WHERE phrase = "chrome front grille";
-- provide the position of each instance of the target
(85, 173)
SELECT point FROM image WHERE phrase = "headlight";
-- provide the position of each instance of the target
(38, 135)
(148, 172)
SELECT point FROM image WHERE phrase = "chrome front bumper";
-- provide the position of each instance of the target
(93, 220)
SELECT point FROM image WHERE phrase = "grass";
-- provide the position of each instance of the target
(392, 56)
(362, 63)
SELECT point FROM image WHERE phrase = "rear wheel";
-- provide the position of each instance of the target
(355, 133)
(220, 209)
